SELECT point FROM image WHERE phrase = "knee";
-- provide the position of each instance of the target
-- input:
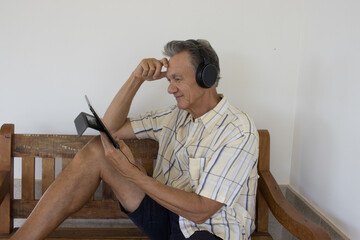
(91, 153)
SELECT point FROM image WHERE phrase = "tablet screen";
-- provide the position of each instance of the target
(99, 121)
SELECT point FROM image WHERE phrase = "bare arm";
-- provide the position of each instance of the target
(115, 117)
(191, 206)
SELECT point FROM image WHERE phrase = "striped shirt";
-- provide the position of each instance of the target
(214, 156)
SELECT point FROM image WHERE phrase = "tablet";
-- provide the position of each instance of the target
(102, 125)
(84, 120)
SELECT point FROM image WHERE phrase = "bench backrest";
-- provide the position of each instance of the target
(28, 147)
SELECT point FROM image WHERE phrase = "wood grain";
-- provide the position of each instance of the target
(28, 178)
(49, 147)
(7, 165)
(66, 146)
(106, 209)
(48, 173)
(4, 184)
(285, 213)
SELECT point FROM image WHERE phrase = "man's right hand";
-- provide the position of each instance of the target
(115, 117)
(149, 69)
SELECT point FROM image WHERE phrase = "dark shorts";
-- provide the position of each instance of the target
(158, 223)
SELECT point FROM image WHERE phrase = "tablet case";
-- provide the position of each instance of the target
(84, 121)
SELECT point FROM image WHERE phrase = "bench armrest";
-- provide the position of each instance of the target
(4, 184)
(285, 213)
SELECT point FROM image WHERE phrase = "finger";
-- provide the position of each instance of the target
(152, 69)
(109, 146)
(104, 140)
(147, 66)
(158, 67)
(161, 75)
(165, 62)
(145, 69)
(109, 149)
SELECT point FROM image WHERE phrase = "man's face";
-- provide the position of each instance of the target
(182, 83)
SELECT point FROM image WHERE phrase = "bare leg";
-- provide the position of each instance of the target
(73, 188)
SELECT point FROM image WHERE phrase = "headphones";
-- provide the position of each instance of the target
(206, 73)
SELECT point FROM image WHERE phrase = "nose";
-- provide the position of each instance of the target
(172, 87)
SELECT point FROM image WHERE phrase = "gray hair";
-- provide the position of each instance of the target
(176, 46)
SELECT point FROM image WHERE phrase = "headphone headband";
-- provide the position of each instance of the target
(202, 53)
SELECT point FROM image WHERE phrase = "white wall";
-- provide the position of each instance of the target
(325, 165)
(54, 52)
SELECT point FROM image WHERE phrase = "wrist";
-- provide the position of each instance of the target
(137, 79)
(139, 177)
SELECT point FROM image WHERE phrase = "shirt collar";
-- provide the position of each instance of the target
(210, 118)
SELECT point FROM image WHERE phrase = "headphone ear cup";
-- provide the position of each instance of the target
(206, 75)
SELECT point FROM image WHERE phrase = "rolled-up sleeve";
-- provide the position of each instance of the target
(150, 124)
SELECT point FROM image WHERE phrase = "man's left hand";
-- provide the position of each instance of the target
(123, 160)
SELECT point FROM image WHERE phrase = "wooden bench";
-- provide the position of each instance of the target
(48, 147)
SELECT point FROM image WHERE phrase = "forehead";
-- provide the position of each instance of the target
(180, 64)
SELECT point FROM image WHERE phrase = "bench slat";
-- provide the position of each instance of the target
(48, 173)
(66, 146)
(92, 210)
(28, 178)
(51, 146)
(93, 233)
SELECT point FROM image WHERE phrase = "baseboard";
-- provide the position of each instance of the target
(310, 212)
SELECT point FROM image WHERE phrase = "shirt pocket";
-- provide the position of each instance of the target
(196, 167)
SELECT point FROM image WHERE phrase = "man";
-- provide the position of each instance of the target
(205, 177)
